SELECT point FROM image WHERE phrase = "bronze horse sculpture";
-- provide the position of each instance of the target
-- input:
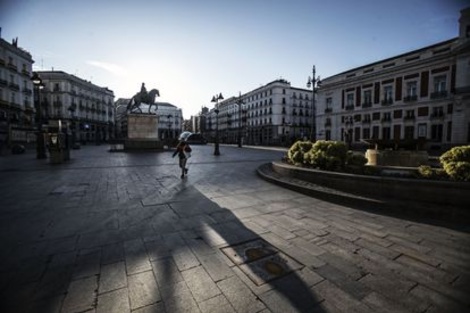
(143, 97)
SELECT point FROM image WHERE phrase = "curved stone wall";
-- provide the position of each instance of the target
(456, 194)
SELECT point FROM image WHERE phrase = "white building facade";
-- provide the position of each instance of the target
(273, 114)
(86, 109)
(17, 109)
(417, 99)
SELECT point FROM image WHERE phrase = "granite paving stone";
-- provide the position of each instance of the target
(143, 290)
(123, 232)
(113, 277)
(116, 301)
(81, 295)
(200, 283)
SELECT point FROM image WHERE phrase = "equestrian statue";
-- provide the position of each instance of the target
(143, 97)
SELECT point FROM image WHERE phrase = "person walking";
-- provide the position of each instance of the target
(183, 150)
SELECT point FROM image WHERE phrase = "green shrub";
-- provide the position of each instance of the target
(459, 171)
(425, 171)
(456, 163)
(296, 152)
(355, 159)
(327, 155)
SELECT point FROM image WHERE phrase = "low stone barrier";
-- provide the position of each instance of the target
(455, 194)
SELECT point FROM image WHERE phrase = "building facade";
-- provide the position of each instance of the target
(273, 114)
(420, 99)
(17, 109)
(86, 109)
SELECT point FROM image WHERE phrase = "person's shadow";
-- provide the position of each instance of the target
(175, 250)
(254, 263)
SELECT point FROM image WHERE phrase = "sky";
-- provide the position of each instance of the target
(191, 50)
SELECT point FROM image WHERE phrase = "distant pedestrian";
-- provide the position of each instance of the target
(183, 150)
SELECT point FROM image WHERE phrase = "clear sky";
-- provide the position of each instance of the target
(192, 49)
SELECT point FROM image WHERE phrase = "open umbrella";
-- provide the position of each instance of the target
(185, 135)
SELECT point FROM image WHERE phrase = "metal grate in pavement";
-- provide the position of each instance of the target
(260, 261)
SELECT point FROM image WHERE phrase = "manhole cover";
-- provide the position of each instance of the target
(249, 251)
(260, 261)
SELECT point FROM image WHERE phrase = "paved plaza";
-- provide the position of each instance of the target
(122, 232)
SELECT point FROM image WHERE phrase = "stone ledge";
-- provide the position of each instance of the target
(437, 199)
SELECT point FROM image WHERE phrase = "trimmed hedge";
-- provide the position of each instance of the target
(324, 155)
(456, 163)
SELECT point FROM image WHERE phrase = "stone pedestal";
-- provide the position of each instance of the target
(142, 132)
(396, 158)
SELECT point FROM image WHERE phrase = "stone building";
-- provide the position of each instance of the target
(417, 99)
(17, 110)
(86, 109)
(273, 114)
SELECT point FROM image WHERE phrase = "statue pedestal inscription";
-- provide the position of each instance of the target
(142, 132)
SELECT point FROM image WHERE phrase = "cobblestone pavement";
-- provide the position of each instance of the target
(121, 232)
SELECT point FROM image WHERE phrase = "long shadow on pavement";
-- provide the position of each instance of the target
(165, 253)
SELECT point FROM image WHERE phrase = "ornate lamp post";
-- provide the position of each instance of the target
(315, 83)
(169, 117)
(40, 147)
(240, 103)
(216, 99)
(349, 122)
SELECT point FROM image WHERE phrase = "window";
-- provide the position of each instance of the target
(350, 99)
(376, 116)
(329, 105)
(411, 88)
(410, 114)
(388, 94)
(386, 133)
(387, 117)
(440, 83)
(367, 98)
(366, 133)
(409, 132)
(411, 91)
(437, 112)
(436, 132)
(375, 132)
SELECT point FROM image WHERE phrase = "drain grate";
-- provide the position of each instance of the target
(260, 261)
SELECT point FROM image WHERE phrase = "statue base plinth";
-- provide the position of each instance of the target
(142, 144)
(142, 132)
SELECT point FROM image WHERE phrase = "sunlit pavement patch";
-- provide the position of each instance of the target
(260, 261)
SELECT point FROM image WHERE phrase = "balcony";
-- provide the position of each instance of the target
(328, 124)
(439, 94)
(14, 86)
(410, 98)
(328, 110)
(12, 66)
(409, 118)
(367, 121)
(387, 101)
(27, 91)
(3, 82)
(367, 104)
(386, 119)
(349, 107)
(437, 116)
(57, 103)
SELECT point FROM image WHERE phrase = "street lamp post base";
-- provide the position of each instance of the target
(216, 149)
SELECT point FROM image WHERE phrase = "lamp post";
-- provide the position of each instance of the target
(40, 147)
(240, 103)
(169, 117)
(349, 122)
(216, 99)
(315, 83)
